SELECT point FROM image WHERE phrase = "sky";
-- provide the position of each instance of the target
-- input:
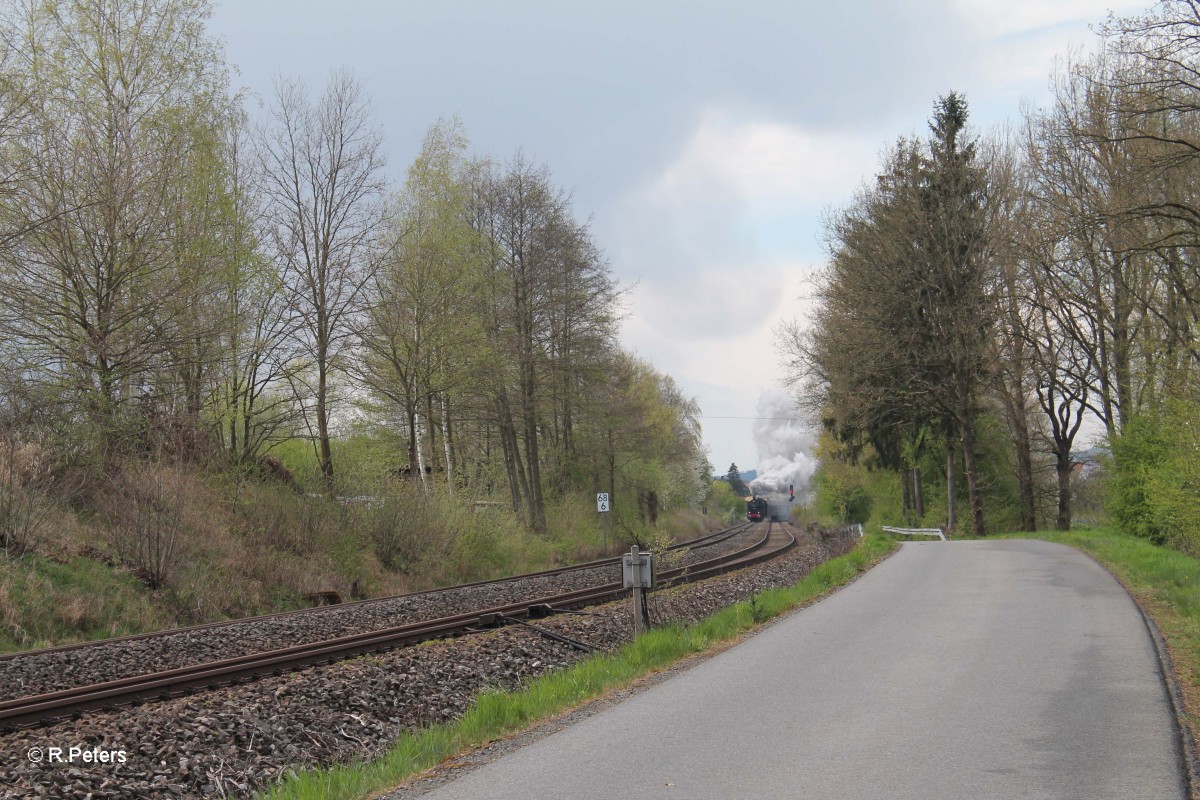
(704, 139)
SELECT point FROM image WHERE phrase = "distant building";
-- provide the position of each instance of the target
(1087, 463)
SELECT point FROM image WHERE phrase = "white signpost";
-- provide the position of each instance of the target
(602, 506)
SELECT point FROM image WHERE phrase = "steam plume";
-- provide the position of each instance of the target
(785, 446)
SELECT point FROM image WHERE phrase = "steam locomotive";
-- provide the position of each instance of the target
(756, 509)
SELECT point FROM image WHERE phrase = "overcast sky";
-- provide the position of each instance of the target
(704, 139)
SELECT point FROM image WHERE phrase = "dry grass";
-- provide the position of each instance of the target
(160, 544)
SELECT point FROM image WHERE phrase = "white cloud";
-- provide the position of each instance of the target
(694, 234)
(719, 326)
(738, 186)
(766, 161)
(996, 18)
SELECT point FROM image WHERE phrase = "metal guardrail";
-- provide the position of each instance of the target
(938, 532)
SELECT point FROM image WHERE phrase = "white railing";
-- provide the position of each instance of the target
(938, 532)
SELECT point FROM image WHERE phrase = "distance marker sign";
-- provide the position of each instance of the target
(602, 502)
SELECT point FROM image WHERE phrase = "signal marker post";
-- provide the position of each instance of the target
(602, 506)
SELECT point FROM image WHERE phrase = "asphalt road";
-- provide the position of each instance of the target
(952, 671)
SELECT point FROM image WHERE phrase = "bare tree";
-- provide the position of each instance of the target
(323, 187)
(1087, 177)
(251, 401)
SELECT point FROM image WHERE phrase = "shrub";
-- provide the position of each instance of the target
(724, 502)
(1155, 478)
(1138, 456)
(153, 514)
(842, 491)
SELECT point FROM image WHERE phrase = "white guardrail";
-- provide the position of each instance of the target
(938, 532)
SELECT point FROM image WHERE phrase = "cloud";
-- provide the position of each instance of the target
(699, 235)
(766, 161)
(763, 162)
(718, 326)
(738, 184)
(999, 18)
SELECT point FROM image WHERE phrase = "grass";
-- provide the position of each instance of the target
(241, 547)
(1165, 582)
(44, 602)
(496, 714)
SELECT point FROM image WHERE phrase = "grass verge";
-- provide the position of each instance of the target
(497, 714)
(45, 603)
(1165, 583)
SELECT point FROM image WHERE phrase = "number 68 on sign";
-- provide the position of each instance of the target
(602, 502)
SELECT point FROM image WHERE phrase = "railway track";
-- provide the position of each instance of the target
(54, 669)
(703, 541)
(47, 707)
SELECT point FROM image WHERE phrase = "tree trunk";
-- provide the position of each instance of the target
(410, 417)
(511, 451)
(1063, 468)
(537, 505)
(1018, 420)
(432, 426)
(918, 497)
(1025, 479)
(447, 441)
(420, 465)
(970, 467)
(951, 504)
(326, 457)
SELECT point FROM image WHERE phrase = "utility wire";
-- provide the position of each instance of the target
(792, 419)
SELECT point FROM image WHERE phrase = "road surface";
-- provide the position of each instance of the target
(952, 671)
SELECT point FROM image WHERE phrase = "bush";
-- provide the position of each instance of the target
(154, 512)
(724, 502)
(842, 491)
(1154, 482)
(1137, 455)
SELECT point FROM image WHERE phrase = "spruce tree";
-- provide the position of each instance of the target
(736, 483)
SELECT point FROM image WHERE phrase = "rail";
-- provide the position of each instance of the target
(703, 541)
(45, 708)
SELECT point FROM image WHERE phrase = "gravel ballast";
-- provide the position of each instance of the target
(39, 672)
(237, 740)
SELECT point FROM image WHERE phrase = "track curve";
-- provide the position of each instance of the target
(45, 707)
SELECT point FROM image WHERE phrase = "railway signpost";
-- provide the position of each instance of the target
(602, 506)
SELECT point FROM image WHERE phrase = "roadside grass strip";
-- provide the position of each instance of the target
(497, 714)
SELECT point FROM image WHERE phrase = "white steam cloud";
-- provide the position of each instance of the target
(785, 446)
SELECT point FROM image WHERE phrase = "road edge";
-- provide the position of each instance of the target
(423, 783)
(1185, 741)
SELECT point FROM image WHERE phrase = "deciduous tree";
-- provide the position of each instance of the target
(323, 187)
